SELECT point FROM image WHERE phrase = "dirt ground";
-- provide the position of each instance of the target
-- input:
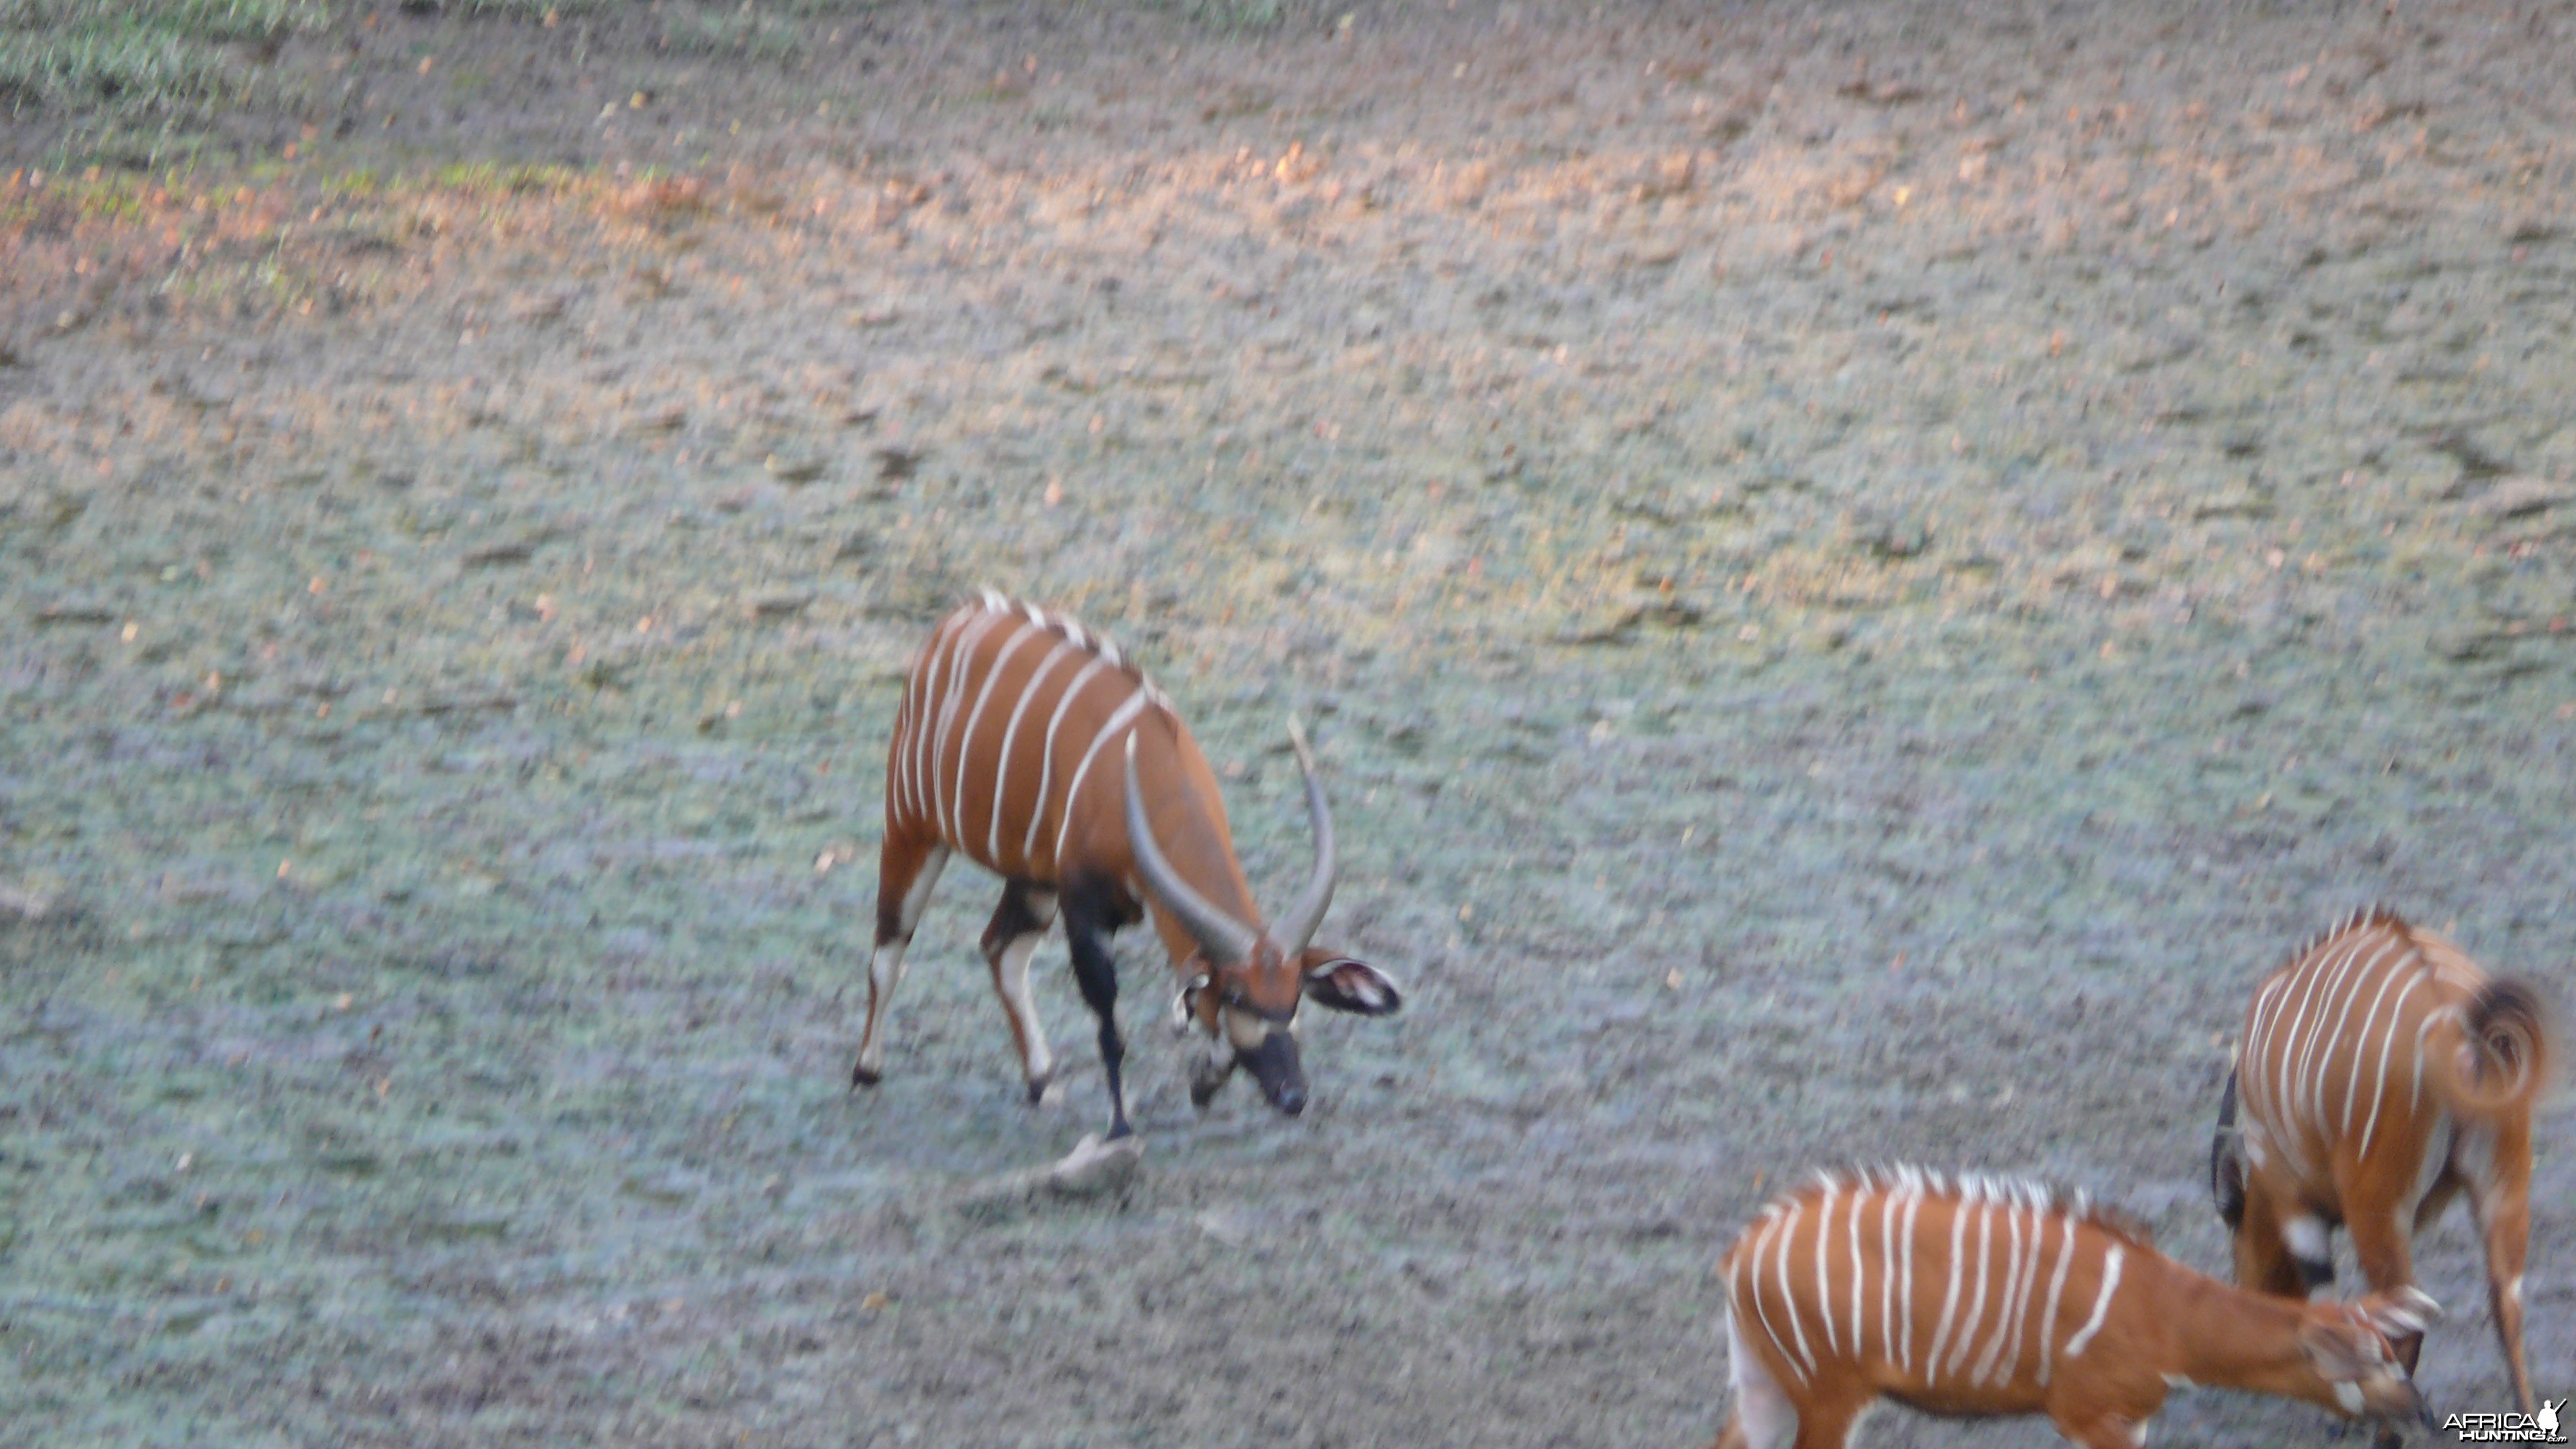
(1858, 572)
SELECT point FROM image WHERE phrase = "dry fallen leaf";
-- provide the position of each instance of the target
(793, 470)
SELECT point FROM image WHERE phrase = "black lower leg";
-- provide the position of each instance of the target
(2227, 1162)
(1087, 925)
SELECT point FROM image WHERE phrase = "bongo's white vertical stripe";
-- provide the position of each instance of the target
(1046, 754)
(1914, 1191)
(2281, 1053)
(1771, 1221)
(1889, 1205)
(2367, 1031)
(1859, 1200)
(2334, 1038)
(1056, 655)
(2379, 1070)
(2315, 1026)
(2041, 1222)
(1957, 1261)
(2101, 1305)
(1977, 1306)
(2373, 978)
(1824, 1257)
(1788, 1299)
(2056, 1295)
(1118, 722)
(1983, 1366)
(919, 701)
(951, 708)
(2415, 1088)
(1020, 635)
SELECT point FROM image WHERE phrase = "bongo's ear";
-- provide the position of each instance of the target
(1344, 984)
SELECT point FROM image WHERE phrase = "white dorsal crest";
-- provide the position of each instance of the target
(1090, 641)
(2030, 1194)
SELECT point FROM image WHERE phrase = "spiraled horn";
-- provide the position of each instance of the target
(1226, 940)
(1296, 926)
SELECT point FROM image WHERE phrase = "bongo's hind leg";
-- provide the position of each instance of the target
(2504, 1222)
(2265, 1261)
(907, 867)
(1018, 924)
(1825, 1421)
(2385, 1251)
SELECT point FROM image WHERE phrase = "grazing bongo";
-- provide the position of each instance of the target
(1033, 747)
(2381, 1075)
(1979, 1297)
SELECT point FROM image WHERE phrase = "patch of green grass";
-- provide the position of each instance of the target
(103, 194)
(137, 55)
(534, 9)
(114, 196)
(494, 178)
(1233, 15)
(519, 9)
(143, 144)
(747, 33)
(360, 183)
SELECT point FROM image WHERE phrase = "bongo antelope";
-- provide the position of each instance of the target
(2381, 1074)
(1979, 1297)
(1034, 748)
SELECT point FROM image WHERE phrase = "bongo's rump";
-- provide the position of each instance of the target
(1981, 1297)
(2382, 1074)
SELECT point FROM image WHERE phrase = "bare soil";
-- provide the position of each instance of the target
(1858, 572)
